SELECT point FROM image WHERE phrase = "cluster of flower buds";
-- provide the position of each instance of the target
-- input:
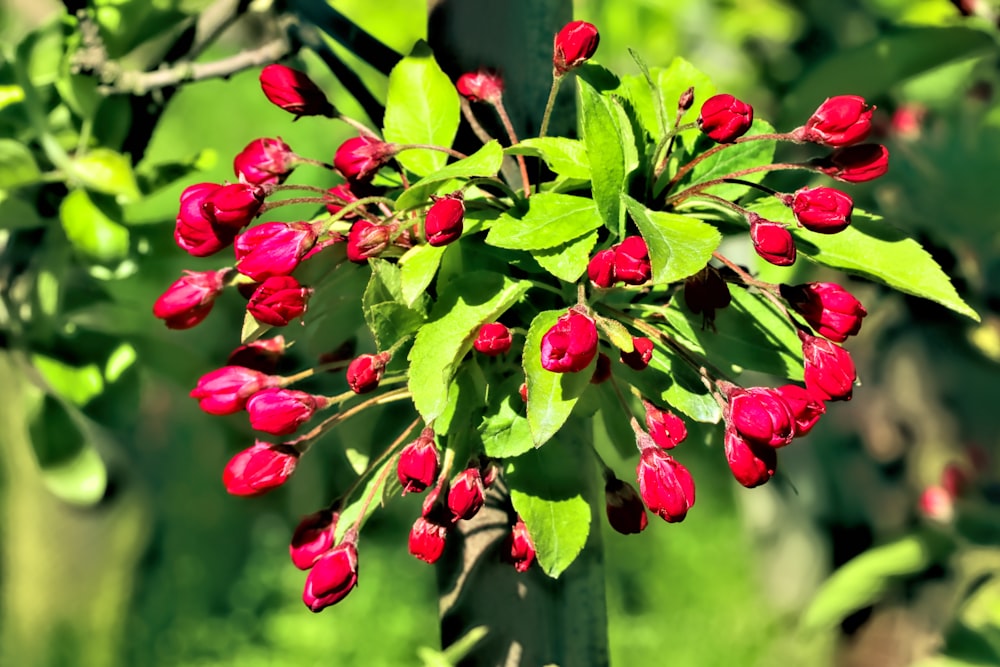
(626, 262)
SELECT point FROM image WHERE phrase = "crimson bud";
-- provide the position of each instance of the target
(760, 415)
(282, 411)
(482, 85)
(724, 118)
(427, 540)
(522, 548)
(665, 428)
(829, 369)
(664, 484)
(641, 354)
(312, 538)
(855, 164)
(751, 464)
(574, 45)
(493, 339)
(365, 372)
(367, 239)
(359, 158)
(467, 495)
(225, 391)
(259, 469)
(632, 261)
(624, 507)
(937, 504)
(273, 248)
(601, 269)
(772, 241)
(822, 210)
(264, 162)
(279, 300)
(571, 344)
(444, 220)
(294, 92)
(234, 205)
(828, 308)
(195, 232)
(840, 121)
(805, 405)
(190, 298)
(333, 576)
(418, 464)
(343, 195)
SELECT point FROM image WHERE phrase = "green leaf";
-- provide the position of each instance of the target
(388, 316)
(17, 165)
(567, 261)
(876, 250)
(551, 396)
(92, 227)
(420, 264)
(421, 108)
(546, 489)
(732, 158)
(657, 99)
(679, 245)
(605, 144)
(103, 170)
(670, 82)
(78, 384)
(485, 162)
(616, 333)
(669, 379)
(566, 157)
(504, 429)
(463, 306)
(551, 220)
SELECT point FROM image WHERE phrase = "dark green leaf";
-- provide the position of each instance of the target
(551, 220)
(679, 245)
(567, 261)
(483, 163)
(17, 165)
(566, 157)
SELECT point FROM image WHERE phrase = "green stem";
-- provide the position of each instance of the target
(550, 103)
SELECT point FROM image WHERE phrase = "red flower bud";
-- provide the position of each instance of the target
(937, 504)
(907, 120)
(665, 428)
(522, 549)
(828, 308)
(751, 464)
(855, 164)
(365, 372)
(772, 242)
(493, 339)
(467, 495)
(822, 210)
(829, 369)
(367, 239)
(523, 392)
(760, 415)
(427, 540)
(840, 121)
(294, 92)
(574, 45)
(724, 119)
(282, 411)
(195, 232)
(225, 391)
(686, 99)
(234, 205)
(260, 355)
(332, 577)
(571, 344)
(482, 85)
(418, 464)
(273, 248)
(624, 507)
(641, 354)
(664, 484)
(632, 261)
(806, 407)
(359, 158)
(444, 221)
(601, 269)
(279, 300)
(955, 479)
(602, 369)
(264, 162)
(259, 469)
(344, 195)
(190, 298)
(312, 538)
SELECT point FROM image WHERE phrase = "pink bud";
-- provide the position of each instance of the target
(282, 411)
(664, 484)
(344, 195)
(840, 121)
(624, 507)
(641, 354)
(571, 344)
(279, 300)
(367, 239)
(260, 355)
(427, 540)
(418, 464)
(312, 538)
(855, 164)
(522, 549)
(760, 415)
(444, 221)
(751, 464)
(195, 232)
(772, 242)
(483, 85)
(332, 577)
(273, 248)
(359, 158)
(829, 369)
(907, 121)
(190, 298)
(264, 162)
(574, 45)
(601, 269)
(365, 372)
(937, 504)
(294, 92)
(234, 205)
(724, 118)
(632, 261)
(225, 391)
(828, 308)
(822, 210)
(467, 495)
(806, 407)
(493, 339)
(665, 428)
(259, 469)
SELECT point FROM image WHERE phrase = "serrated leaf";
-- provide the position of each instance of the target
(463, 306)
(483, 163)
(421, 108)
(679, 245)
(419, 266)
(92, 227)
(106, 171)
(876, 250)
(17, 165)
(551, 220)
(734, 157)
(504, 429)
(566, 157)
(567, 261)
(551, 396)
(388, 316)
(606, 154)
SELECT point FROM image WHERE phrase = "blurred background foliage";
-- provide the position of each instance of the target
(120, 547)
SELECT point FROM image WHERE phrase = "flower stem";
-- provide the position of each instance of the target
(306, 440)
(473, 122)
(509, 127)
(384, 457)
(719, 147)
(431, 147)
(550, 103)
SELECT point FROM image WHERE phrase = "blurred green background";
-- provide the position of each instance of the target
(169, 570)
